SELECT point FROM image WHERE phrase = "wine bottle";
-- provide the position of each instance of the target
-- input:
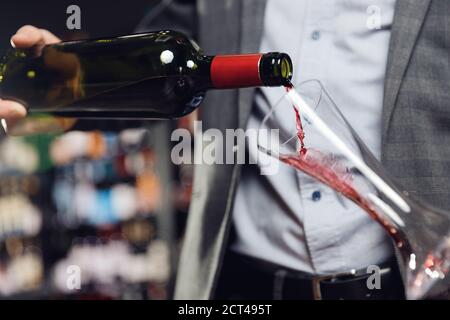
(151, 75)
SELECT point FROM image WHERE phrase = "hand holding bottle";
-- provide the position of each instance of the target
(26, 37)
(13, 112)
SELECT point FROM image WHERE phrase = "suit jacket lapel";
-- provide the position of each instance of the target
(252, 22)
(408, 20)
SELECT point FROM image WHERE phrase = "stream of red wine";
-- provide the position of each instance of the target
(329, 171)
(300, 131)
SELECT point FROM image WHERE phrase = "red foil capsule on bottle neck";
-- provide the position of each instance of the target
(236, 71)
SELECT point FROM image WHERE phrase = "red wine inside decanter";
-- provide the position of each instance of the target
(327, 170)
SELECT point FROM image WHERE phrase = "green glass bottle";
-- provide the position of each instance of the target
(156, 75)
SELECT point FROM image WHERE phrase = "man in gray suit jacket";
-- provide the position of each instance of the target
(414, 121)
(413, 139)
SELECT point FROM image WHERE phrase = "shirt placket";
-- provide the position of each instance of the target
(320, 207)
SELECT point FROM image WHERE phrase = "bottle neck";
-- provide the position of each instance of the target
(250, 70)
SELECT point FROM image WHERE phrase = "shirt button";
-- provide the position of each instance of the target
(315, 35)
(316, 195)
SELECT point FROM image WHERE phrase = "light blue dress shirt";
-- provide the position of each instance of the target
(289, 218)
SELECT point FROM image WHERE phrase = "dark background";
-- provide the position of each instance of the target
(99, 18)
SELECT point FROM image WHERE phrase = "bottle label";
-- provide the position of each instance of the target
(236, 71)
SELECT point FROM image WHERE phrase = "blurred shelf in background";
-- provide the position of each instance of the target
(103, 204)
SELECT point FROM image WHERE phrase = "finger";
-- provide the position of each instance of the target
(40, 124)
(28, 36)
(49, 38)
(11, 110)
